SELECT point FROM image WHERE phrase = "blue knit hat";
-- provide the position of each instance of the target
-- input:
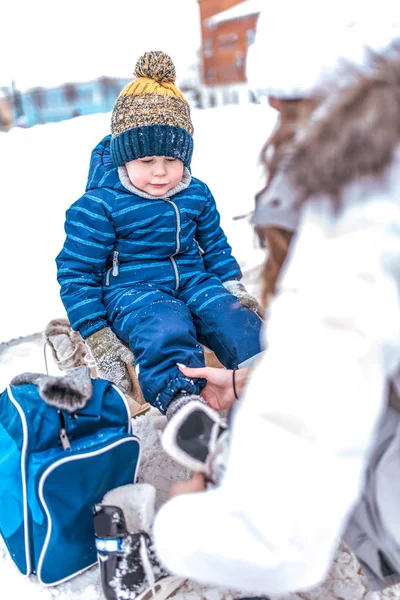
(151, 116)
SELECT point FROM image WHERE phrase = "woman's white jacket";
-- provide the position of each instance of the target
(303, 432)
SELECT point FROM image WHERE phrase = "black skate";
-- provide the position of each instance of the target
(129, 567)
(196, 437)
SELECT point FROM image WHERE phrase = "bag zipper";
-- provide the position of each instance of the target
(66, 444)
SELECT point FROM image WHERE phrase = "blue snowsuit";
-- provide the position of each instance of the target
(152, 270)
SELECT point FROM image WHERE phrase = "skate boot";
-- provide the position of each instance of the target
(129, 568)
(197, 438)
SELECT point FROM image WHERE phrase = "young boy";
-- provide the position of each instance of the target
(145, 265)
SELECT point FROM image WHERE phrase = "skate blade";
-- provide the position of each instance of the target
(163, 589)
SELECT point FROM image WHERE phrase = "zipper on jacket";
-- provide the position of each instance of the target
(177, 240)
(115, 267)
(201, 251)
(115, 264)
(178, 226)
(63, 432)
(175, 267)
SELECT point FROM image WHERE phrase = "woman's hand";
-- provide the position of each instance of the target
(218, 392)
(195, 484)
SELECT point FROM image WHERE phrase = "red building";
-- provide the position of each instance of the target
(228, 29)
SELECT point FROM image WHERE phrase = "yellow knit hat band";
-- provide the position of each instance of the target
(146, 85)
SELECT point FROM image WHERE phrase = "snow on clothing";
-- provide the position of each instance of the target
(153, 269)
(320, 419)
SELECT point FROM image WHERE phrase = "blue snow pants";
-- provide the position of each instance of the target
(163, 327)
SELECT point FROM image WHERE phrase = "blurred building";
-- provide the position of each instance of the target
(45, 105)
(228, 29)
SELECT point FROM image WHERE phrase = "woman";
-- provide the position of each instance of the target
(306, 436)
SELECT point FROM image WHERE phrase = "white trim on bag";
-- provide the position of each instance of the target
(126, 406)
(23, 475)
(41, 496)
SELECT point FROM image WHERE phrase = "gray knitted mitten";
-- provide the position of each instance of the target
(111, 357)
(237, 289)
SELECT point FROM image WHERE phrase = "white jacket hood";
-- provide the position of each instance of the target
(303, 46)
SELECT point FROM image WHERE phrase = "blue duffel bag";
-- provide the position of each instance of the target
(64, 442)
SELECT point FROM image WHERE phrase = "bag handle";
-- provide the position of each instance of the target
(70, 392)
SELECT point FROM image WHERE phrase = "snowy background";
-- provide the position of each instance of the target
(47, 43)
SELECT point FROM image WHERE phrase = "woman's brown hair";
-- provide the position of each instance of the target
(292, 113)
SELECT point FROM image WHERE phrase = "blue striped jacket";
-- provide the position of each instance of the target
(116, 238)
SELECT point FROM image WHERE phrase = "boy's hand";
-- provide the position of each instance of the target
(237, 289)
(111, 357)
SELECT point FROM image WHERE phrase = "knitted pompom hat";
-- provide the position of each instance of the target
(151, 116)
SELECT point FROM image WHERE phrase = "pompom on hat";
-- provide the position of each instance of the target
(304, 48)
(151, 116)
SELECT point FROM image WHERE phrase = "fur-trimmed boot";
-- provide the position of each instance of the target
(67, 346)
(129, 567)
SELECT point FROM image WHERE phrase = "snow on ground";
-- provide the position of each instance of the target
(43, 172)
